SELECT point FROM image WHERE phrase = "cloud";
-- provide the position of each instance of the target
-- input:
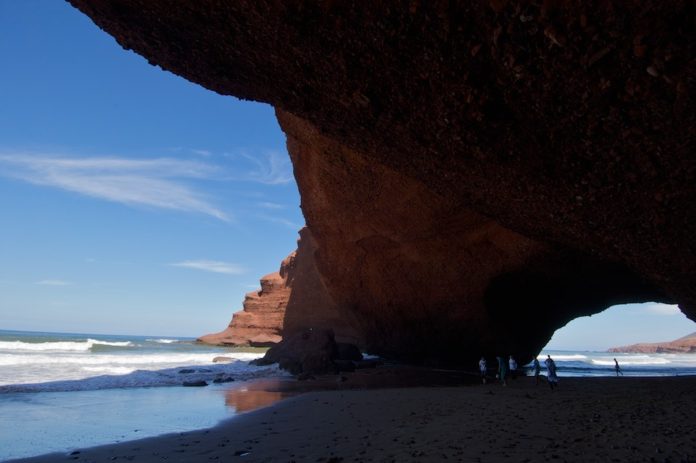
(270, 168)
(279, 220)
(268, 205)
(212, 266)
(150, 182)
(53, 283)
(662, 309)
(204, 153)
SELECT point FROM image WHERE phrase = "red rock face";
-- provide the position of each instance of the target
(290, 300)
(473, 173)
(260, 323)
(424, 280)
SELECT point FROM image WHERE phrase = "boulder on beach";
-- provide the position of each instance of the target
(310, 351)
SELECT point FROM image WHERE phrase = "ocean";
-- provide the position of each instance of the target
(60, 392)
(587, 363)
(41, 362)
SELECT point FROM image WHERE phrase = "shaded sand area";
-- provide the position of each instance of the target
(585, 419)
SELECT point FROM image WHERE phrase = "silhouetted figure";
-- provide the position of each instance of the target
(482, 369)
(502, 370)
(617, 368)
(537, 370)
(551, 375)
(513, 367)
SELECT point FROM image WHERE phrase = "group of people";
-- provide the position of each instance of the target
(511, 367)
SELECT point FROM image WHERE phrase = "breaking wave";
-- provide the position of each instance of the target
(60, 346)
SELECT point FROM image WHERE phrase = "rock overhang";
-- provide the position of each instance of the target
(559, 133)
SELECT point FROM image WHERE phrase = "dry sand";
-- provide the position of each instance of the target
(585, 419)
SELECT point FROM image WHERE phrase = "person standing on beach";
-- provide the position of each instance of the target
(617, 368)
(513, 367)
(537, 370)
(482, 369)
(502, 370)
(551, 376)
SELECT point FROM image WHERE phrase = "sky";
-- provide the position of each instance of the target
(135, 202)
(131, 200)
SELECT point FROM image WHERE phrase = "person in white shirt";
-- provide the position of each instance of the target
(513, 367)
(482, 369)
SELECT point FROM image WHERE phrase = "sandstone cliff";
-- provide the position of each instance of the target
(475, 174)
(260, 322)
(687, 344)
(292, 299)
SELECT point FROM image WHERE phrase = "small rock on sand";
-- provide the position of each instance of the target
(194, 383)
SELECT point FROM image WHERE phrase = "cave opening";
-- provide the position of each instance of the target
(648, 339)
(622, 325)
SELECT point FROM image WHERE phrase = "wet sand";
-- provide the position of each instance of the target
(585, 419)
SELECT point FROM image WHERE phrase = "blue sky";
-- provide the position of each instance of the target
(132, 200)
(136, 202)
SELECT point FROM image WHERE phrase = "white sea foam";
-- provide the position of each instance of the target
(18, 367)
(632, 360)
(110, 370)
(60, 346)
(187, 358)
(566, 358)
(150, 378)
(163, 341)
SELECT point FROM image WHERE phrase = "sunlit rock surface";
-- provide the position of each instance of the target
(290, 300)
(474, 174)
(684, 345)
(260, 323)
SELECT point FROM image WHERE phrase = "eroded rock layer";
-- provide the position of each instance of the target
(685, 345)
(260, 322)
(290, 300)
(474, 173)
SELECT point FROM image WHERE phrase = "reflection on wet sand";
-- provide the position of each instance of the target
(247, 396)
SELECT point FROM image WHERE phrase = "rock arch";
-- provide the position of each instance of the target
(451, 154)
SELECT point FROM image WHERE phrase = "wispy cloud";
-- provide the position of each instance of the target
(279, 220)
(212, 266)
(53, 283)
(150, 182)
(269, 205)
(662, 309)
(204, 153)
(270, 168)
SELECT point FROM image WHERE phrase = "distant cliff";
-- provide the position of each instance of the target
(260, 323)
(687, 344)
(290, 300)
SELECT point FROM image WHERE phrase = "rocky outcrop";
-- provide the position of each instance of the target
(290, 300)
(475, 174)
(685, 345)
(313, 351)
(260, 322)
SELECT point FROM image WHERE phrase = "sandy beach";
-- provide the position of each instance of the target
(585, 419)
